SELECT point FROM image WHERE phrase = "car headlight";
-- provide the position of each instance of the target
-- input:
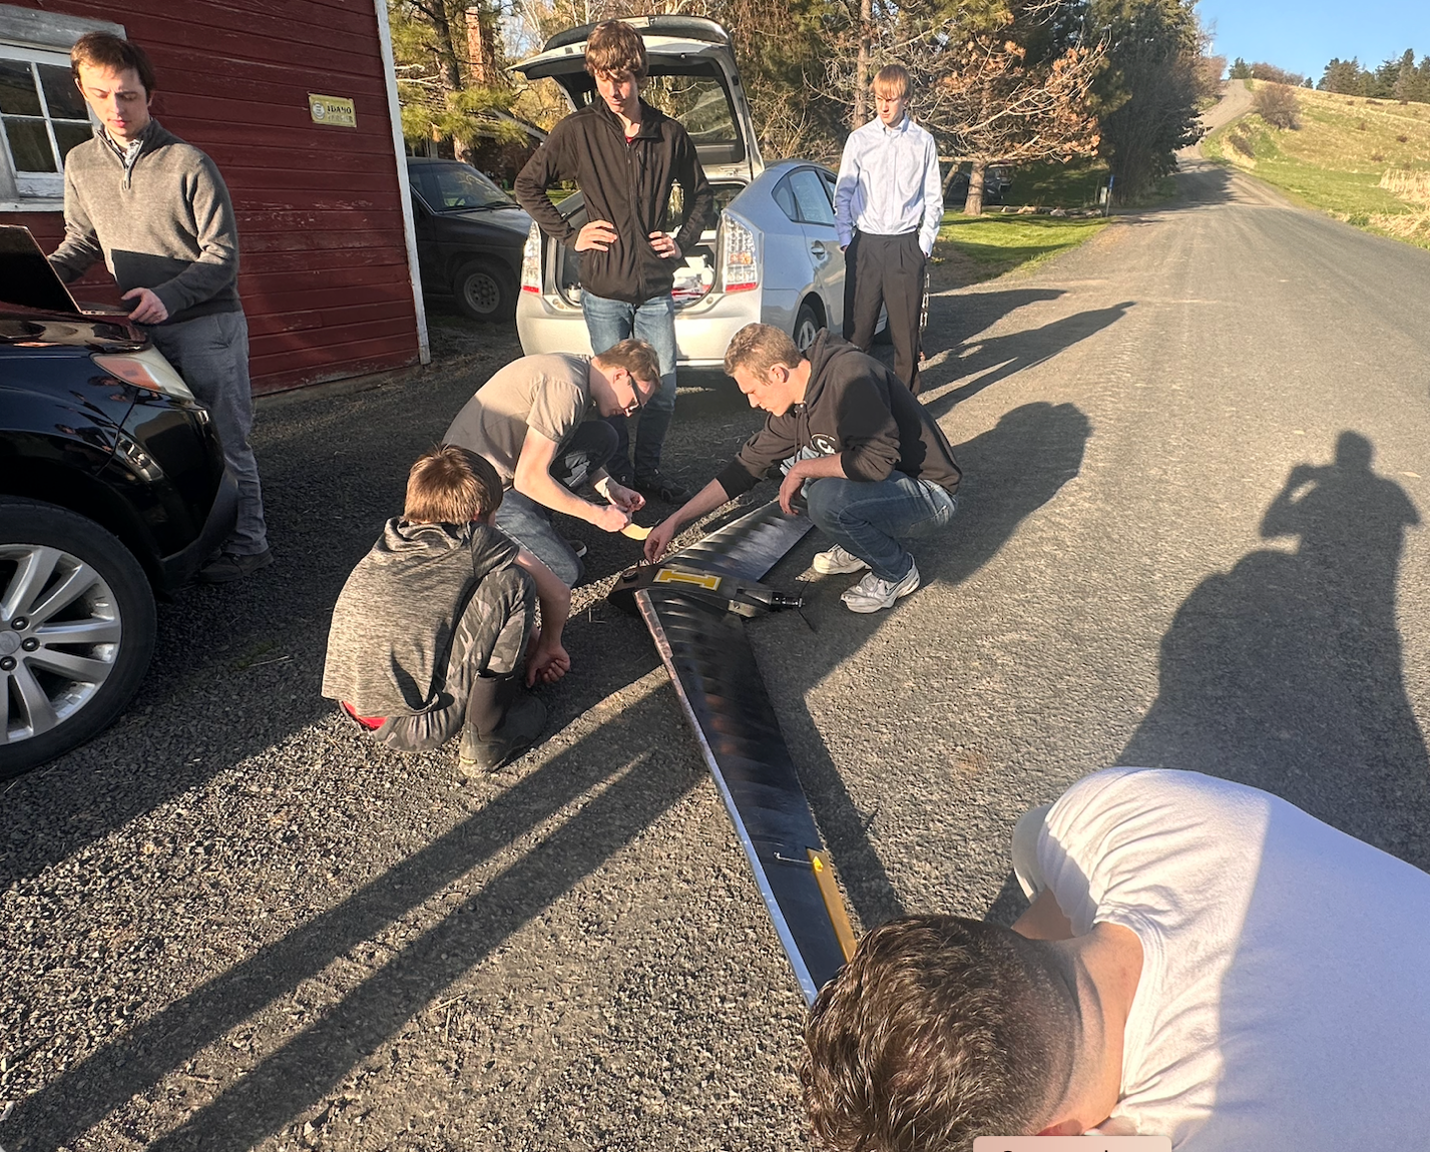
(148, 369)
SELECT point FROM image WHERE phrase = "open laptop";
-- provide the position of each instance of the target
(26, 278)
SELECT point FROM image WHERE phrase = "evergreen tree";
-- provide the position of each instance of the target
(1148, 96)
(1240, 70)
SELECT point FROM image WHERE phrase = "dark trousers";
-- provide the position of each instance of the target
(888, 271)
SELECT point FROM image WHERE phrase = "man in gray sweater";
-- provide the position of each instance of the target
(158, 213)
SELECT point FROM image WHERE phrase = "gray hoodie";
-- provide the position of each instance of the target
(164, 222)
(394, 621)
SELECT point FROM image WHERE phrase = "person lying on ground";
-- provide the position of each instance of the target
(534, 421)
(856, 449)
(433, 626)
(1201, 961)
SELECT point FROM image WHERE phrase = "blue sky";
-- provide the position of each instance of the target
(1303, 35)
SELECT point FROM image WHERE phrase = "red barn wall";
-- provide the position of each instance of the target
(323, 267)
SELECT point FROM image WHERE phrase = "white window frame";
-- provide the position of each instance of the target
(42, 37)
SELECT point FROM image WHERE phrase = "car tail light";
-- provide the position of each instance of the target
(739, 255)
(147, 369)
(531, 261)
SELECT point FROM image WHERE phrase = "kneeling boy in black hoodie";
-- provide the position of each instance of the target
(430, 630)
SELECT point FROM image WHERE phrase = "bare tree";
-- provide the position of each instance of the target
(989, 99)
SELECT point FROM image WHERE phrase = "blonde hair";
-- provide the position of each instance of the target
(759, 348)
(892, 80)
(451, 485)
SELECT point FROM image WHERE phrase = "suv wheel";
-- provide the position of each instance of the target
(484, 292)
(76, 631)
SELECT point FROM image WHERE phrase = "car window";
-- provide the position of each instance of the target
(811, 197)
(700, 104)
(784, 197)
(459, 186)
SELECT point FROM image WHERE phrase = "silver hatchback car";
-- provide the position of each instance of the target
(772, 256)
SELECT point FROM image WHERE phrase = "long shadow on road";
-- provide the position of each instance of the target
(301, 1070)
(1011, 470)
(1286, 673)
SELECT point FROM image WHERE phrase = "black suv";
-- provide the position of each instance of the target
(470, 237)
(112, 487)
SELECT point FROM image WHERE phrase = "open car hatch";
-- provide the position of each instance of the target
(692, 77)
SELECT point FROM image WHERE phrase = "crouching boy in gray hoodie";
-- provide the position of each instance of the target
(431, 628)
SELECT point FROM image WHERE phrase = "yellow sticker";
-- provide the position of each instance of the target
(708, 581)
(637, 532)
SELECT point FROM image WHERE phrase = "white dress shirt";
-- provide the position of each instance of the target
(889, 183)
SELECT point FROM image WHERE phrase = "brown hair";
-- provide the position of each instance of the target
(636, 357)
(614, 47)
(759, 348)
(892, 80)
(451, 485)
(103, 50)
(939, 1030)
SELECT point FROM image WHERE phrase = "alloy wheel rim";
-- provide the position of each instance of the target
(60, 637)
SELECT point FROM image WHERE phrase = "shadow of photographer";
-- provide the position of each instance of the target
(1286, 674)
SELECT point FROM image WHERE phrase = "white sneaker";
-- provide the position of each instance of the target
(838, 560)
(873, 593)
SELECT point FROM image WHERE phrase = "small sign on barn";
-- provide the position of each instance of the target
(335, 110)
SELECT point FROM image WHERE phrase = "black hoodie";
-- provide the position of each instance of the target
(855, 407)
(626, 182)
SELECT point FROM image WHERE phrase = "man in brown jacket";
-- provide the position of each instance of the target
(854, 446)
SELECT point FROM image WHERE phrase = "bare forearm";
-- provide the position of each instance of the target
(545, 490)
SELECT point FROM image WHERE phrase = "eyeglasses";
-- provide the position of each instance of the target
(637, 401)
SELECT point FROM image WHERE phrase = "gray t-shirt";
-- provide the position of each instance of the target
(548, 392)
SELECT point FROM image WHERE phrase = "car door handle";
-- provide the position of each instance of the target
(818, 249)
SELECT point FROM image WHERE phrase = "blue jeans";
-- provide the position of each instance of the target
(609, 322)
(528, 523)
(872, 519)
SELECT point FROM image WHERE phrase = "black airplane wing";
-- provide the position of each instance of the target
(695, 603)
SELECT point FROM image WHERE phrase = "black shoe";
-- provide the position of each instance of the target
(520, 727)
(661, 488)
(620, 471)
(229, 567)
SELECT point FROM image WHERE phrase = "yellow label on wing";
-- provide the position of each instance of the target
(637, 532)
(707, 581)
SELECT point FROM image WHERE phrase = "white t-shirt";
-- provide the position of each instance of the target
(1284, 1002)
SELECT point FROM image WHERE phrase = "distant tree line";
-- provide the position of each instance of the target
(1398, 78)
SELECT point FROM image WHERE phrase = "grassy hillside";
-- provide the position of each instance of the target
(1364, 161)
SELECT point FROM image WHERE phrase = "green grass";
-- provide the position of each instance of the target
(1070, 186)
(1336, 159)
(980, 248)
(998, 244)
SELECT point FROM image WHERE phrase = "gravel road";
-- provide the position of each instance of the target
(1195, 465)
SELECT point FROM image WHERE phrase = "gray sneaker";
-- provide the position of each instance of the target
(873, 593)
(838, 560)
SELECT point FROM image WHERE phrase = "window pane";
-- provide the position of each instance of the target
(461, 187)
(785, 199)
(17, 89)
(814, 206)
(70, 134)
(60, 93)
(30, 145)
